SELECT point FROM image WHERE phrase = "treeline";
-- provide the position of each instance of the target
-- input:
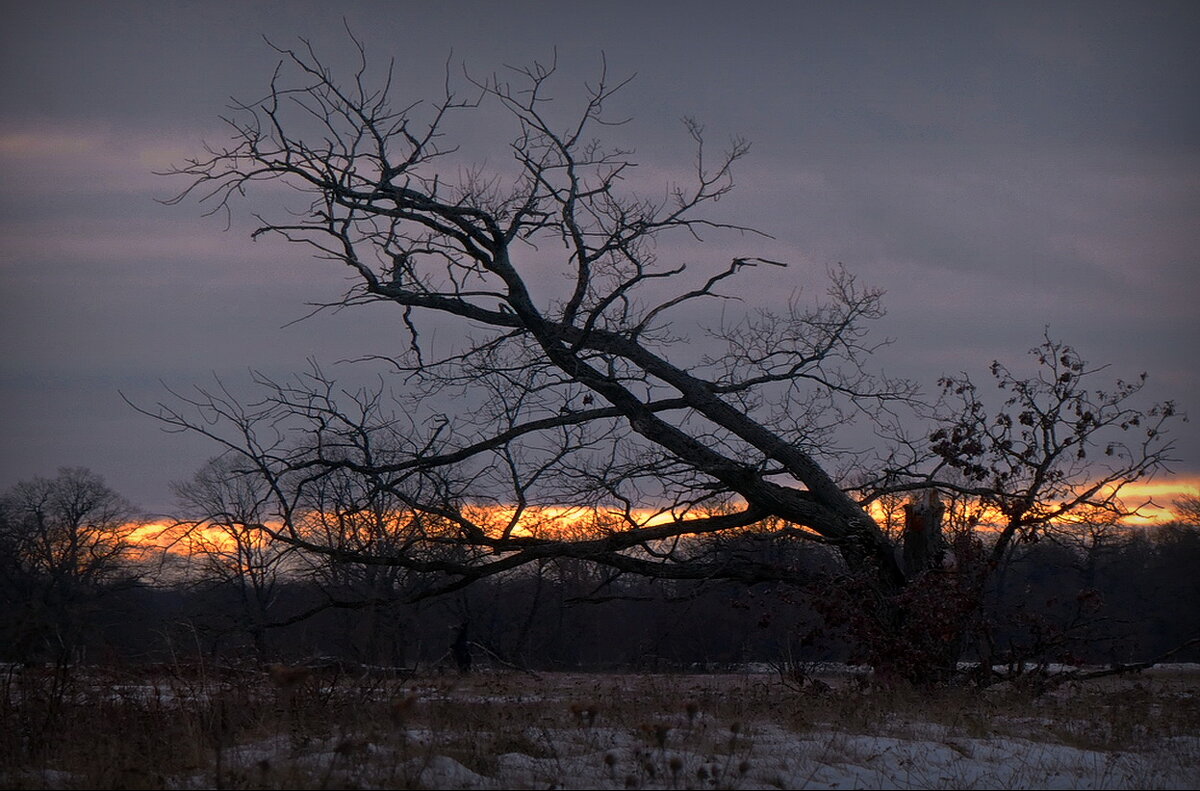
(1093, 595)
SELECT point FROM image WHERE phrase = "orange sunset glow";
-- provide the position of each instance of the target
(1154, 501)
(1157, 498)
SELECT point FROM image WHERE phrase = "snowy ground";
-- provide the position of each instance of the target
(702, 731)
(764, 757)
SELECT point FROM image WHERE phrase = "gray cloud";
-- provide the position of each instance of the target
(997, 169)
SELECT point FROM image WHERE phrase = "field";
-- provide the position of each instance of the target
(195, 727)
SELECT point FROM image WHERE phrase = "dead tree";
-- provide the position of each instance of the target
(923, 543)
(572, 357)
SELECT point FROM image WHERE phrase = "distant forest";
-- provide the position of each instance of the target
(1090, 596)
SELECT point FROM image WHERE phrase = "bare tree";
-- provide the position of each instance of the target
(65, 542)
(583, 388)
(1187, 508)
(1058, 450)
(222, 509)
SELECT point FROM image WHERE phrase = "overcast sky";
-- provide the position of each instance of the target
(996, 168)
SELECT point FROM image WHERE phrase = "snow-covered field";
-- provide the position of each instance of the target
(766, 756)
(658, 731)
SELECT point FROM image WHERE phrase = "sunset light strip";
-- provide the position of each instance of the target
(1154, 499)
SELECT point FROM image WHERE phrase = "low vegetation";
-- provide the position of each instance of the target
(203, 727)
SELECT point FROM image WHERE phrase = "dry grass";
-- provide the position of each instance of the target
(289, 728)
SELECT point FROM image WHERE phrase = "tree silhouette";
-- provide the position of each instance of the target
(574, 376)
(64, 543)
